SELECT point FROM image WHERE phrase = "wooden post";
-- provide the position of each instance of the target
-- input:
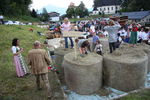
(75, 49)
(74, 34)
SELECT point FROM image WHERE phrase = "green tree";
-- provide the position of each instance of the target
(71, 11)
(44, 16)
(81, 10)
(34, 13)
(74, 11)
(15, 7)
(135, 5)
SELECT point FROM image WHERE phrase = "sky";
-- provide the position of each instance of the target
(58, 5)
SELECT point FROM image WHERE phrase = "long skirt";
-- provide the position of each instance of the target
(21, 67)
(133, 38)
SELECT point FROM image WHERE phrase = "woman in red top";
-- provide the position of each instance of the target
(133, 37)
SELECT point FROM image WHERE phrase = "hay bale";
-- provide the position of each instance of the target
(60, 53)
(148, 54)
(83, 75)
(146, 49)
(126, 68)
(105, 44)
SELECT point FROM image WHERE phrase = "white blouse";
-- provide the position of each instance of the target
(14, 49)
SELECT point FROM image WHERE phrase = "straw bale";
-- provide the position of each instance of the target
(126, 68)
(83, 75)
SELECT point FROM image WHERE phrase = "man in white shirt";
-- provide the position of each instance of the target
(112, 29)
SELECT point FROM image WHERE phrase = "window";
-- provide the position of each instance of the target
(108, 8)
(100, 9)
(104, 9)
(116, 8)
(112, 8)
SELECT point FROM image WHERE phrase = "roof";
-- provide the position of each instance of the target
(53, 14)
(135, 15)
(108, 2)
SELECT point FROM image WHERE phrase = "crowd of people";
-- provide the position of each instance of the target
(132, 33)
(39, 58)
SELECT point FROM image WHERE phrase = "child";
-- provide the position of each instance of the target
(98, 47)
(94, 39)
(50, 49)
(83, 45)
(119, 40)
(51, 54)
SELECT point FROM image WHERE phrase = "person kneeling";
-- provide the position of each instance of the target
(83, 45)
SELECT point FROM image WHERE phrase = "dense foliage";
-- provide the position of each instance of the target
(135, 5)
(74, 11)
(44, 15)
(15, 7)
(19, 9)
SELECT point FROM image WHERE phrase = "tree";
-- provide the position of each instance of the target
(15, 7)
(135, 5)
(34, 13)
(81, 10)
(44, 16)
(71, 11)
(74, 11)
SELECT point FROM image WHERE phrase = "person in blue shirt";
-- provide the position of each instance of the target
(94, 39)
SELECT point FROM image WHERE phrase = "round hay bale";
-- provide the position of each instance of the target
(104, 42)
(125, 69)
(83, 75)
(146, 49)
(148, 54)
(59, 54)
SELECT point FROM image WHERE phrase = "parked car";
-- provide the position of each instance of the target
(8, 22)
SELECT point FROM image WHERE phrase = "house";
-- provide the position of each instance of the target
(54, 16)
(107, 7)
(138, 16)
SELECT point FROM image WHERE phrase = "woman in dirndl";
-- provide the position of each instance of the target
(133, 37)
(21, 67)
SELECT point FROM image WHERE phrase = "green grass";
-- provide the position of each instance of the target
(22, 19)
(142, 95)
(11, 87)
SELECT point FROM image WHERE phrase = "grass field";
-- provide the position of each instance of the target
(22, 19)
(13, 88)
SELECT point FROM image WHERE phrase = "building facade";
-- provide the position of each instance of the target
(53, 16)
(107, 7)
